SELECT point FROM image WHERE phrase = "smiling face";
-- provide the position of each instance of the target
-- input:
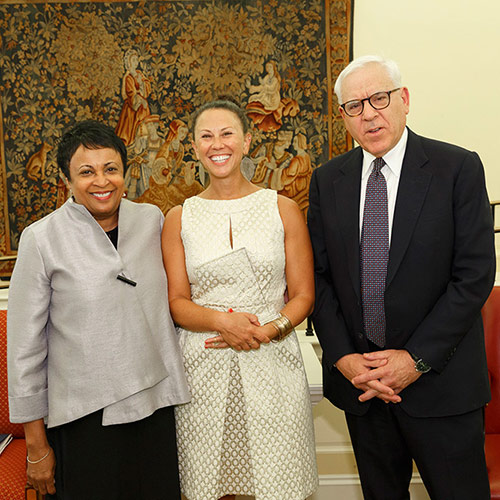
(96, 180)
(219, 142)
(376, 131)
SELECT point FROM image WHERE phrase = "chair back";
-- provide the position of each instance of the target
(491, 320)
(5, 426)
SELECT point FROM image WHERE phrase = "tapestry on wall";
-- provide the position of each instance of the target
(143, 67)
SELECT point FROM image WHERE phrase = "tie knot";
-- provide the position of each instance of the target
(378, 163)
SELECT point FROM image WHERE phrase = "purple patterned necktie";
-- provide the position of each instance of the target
(374, 254)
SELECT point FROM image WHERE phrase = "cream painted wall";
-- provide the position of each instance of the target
(448, 52)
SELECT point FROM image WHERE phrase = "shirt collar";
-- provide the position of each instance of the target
(393, 159)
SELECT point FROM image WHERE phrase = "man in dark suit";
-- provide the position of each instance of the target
(404, 259)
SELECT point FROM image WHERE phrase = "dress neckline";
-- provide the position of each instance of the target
(234, 205)
(230, 199)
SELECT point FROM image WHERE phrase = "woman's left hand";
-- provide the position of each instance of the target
(218, 341)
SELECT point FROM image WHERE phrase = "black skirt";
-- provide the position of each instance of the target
(134, 461)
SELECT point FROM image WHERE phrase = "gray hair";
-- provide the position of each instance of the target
(389, 65)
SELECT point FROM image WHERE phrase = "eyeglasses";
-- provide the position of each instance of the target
(379, 100)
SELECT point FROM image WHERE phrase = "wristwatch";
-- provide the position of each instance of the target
(420, 365)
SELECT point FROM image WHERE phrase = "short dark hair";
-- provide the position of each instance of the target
(92, 135)
(223, 102)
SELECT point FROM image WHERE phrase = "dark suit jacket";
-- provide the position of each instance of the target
(441, 270)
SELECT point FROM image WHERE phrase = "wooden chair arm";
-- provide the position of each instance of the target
(31, 494)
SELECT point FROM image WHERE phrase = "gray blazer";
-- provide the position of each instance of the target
(79, 339)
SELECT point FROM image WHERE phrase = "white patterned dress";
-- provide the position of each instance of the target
(248, 429)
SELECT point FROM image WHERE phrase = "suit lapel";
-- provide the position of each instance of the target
(412, 190)
(347, 188)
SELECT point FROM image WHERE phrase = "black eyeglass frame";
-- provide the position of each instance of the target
(362, 101)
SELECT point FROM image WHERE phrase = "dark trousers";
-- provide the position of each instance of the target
(134, 461)
(448, 452)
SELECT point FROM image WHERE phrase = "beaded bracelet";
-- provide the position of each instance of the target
(283, 326)
(32, 462)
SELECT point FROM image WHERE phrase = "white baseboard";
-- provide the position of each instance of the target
(347, 487)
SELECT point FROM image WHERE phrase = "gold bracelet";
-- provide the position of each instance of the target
(283, 326)
(39, 460)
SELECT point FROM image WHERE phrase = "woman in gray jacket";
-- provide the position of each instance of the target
(94, 363)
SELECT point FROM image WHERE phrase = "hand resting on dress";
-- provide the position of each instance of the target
(239, 330)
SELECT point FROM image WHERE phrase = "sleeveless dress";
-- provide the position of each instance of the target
(248, 429)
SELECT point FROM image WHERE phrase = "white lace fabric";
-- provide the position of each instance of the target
(248, 429)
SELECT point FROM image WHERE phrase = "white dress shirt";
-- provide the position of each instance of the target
(391, 171)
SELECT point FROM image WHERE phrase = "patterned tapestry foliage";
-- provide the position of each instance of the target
(143, 67)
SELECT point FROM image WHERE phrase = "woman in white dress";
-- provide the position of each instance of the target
(240, 273)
